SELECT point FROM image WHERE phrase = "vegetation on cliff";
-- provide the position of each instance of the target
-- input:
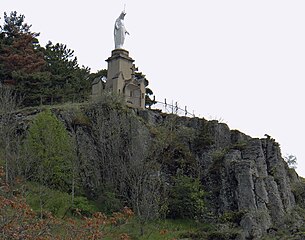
(76, 160)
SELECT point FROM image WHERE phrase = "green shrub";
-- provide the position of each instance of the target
(42, 198)
(212, 232)
(83, 206)
(218, 160)
(241, 145)
(193, 235)
(81, 119)
(109, 202)
(299, 193)
(205, 137)
(111, 100)
(186, 198)
(233, 217)
(230, 234)
(219, 154)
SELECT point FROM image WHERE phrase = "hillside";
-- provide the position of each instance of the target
(92, 168)
(162, 165)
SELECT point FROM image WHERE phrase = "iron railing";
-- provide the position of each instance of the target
(172, 108)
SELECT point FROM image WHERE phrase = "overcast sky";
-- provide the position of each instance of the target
(239, 61)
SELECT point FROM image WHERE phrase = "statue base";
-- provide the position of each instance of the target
(121, 79)
(119, 62)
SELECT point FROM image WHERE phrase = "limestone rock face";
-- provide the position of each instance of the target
(239, 173)
(242, 174)
(251, 176)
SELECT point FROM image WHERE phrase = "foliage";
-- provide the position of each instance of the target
(171, 147)
(218, 160)
(109, 201)
(83, 206)
(99, 74)
(80, 118)
(233, 217)
(229, 234)
(41, 75)
(204, 137)
(299, 193)
(94, 227)
(53, 201)
(21, 58)
(8, 139)
(156, 230)
(49, 152)
(186, 198)
(293, 226)
(31, 86)
(128, 170)
(219, 154)
(68, 81)
(148, 101)
(241, 145)
(56, 202)
(19, 221)
(213, 231)
(111, 101)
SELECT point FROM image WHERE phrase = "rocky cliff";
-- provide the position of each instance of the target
(243, 174)
(128, 150)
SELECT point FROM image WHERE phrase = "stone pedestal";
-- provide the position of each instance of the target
(120, 67)
(121, 79)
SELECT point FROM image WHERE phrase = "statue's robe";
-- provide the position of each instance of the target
(119, 33)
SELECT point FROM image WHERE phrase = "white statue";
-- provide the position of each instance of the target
(120, 31)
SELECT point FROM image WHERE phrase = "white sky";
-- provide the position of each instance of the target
(241, 61)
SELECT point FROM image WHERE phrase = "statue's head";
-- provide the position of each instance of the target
(122, 15)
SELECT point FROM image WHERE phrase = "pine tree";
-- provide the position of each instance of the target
(40, 75)
(68, 80)
(21, 59)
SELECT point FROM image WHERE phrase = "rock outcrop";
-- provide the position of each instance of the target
(240, 174)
